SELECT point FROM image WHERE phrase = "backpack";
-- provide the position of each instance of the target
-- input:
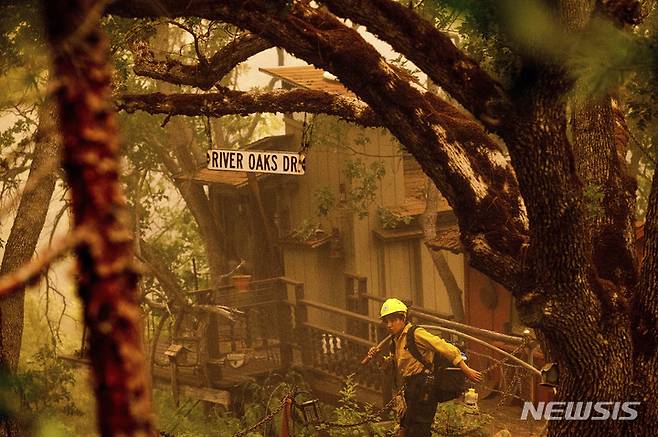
(449, 381)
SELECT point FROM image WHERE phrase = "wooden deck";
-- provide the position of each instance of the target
(275, 335)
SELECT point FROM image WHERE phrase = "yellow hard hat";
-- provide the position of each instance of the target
(391, 306)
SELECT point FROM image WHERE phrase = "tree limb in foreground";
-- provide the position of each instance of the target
(229, 102)
(107, 276)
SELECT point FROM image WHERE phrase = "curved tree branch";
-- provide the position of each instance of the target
(430, 50)
(204, 74)
(244, 103)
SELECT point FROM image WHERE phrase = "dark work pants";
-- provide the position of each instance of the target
(421, 407)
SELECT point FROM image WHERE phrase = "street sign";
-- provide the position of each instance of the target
(256, 161)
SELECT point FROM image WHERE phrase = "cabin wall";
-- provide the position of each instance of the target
(401, 268)
(317, 271)
(387, 265)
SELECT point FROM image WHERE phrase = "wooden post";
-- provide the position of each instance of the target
(387, 385)
(286, 415)
(362, 306)
(356, 301)
(285, 327)
(211, 334)
(301, 316)
(173, 366)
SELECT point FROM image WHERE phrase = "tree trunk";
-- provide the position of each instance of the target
(644, 314)
(575, 310)
(428, 223)
(107, 278)
(24, 235)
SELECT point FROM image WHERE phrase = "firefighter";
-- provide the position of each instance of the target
(419, 396)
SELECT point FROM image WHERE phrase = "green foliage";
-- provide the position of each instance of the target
(478, 29)
(189, 419)
(37, 396)
(349, 411)
(23, 60)
(23, 72)
(177, 241)
(391, 220)
(325, 200)
(363, 184)
(454, 418)
(606, 57)
(254, 402)
(44, 388)
(641, 96)
(305, 231)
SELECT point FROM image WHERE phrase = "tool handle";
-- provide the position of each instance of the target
(367, 358)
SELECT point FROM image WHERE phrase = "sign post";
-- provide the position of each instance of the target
(256, 161)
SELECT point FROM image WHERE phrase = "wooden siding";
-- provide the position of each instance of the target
(322, 278)
(400, 268)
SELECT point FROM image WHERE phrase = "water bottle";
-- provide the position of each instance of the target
(471, 397)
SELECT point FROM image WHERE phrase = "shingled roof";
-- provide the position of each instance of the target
(307, 77)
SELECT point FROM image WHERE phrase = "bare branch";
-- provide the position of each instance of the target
(205, 74)
(244, 103)
(33, 270)
(197, 49)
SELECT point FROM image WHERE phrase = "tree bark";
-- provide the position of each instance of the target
(228, 102)
(23, 238)
(107, 278)
(432, 51)
(644, 314)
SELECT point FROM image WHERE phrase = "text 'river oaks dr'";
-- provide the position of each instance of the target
(256, 161)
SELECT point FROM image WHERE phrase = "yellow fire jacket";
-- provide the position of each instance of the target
(428, 344)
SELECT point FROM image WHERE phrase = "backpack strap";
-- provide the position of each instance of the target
(413, 349)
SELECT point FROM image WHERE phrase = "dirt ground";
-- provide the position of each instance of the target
(509, 417)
